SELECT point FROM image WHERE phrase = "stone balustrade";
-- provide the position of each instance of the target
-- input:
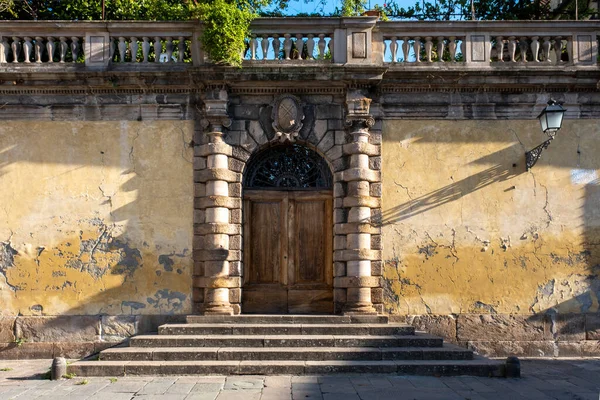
(488, 43)
(355, 41)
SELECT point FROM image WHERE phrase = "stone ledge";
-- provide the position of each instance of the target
(361, 201)
(358, 174)
(503, 327)
(356, 255)
(217, 255)
(217, 201)
(357, 282)
(217, 174)
(362, 148)
(216, 283)
(66, 328)
(214, 148)
(211, 228)
(355, 227)
(505, 348)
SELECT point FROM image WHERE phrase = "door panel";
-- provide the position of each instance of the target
(288, 252)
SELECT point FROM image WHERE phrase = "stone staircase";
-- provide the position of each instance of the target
(286, 345)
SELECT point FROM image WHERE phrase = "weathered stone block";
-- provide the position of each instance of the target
(257, 133)
(216, 174)
(376, 268)
(235, 242)
(339, 242)
(376, 242)
(320, 129)
(235, 190)
(327, 142)
(334, 153)
(235, 216)
(377, 295)
(73, 350)
(240, 153)
(199, 216)
(246, 111)
(375, 190)
(592, 326)
(583, 348)
(121, 326)
(340, 137)
(199, 189)
(375, 163)
(7, 329)
(569, 327)
(335, 124)
(375, 137)
(199, 163)
(438, 325)
(218, 282)
(534, 348)
(150, 323)
(339, 269)
(235, 268)
(199, 268)
(338, 190)
(490, 327)
(235, 295)
(67, 328)
(357, 282)
(26, 351)
(235, 164)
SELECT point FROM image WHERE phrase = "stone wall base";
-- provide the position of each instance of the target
(491, 335)
(72, 336)
(502, 335)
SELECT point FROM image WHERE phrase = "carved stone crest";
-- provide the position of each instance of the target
(287, 118)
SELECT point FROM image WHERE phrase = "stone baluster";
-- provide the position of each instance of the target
(310, 47)
(394, 48)
(512, 48)
(253, 46)
(157, 48)
(523, 48)
(440, 48)
(462, 49)
(169, 48)
(452, 48)
(569, 46)
(535, 48)
(4, 50)
(215, 254)
(299, 45)
(50, 49)
(38, 45)
(358, 177)
(133, 48)
(558, 48)
(322, 43)
(27, 48)
(287, 45)
(63, 48)
(122, 48)
(145, 48)
(276, 47)
(405, 48)
(264, 45)
(180, 49)
(330, 47)
(111, 48)
(428, 48)
(74, 48)
(417, 49)
(16, 48)
(500, 48)
(546, 46)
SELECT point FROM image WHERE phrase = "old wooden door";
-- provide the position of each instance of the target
(287, 252)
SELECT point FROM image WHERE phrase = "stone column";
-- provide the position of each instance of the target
(358, 202)
(213, 200)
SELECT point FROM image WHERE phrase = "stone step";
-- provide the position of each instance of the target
(285, 329)
(448, 352)
(476, 367)
(417, 340)
(287, 319)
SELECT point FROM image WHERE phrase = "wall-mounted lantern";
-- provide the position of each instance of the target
(551, 119)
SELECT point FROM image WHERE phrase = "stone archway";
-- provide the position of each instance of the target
(218, 244)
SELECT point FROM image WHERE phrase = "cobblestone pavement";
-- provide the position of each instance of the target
(542, 379)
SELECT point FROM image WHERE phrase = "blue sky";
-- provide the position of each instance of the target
(300, 6)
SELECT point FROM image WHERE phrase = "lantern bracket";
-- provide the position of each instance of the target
(532, 156)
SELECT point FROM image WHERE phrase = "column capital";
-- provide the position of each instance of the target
(358, 117)
(216, 102)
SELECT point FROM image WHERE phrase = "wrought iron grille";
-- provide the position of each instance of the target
(288, 167)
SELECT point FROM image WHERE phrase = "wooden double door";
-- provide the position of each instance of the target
(288, 250)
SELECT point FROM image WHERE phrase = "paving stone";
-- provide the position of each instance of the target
(239, 395)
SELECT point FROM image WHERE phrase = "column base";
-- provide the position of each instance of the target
(218, 309)
(359, 309)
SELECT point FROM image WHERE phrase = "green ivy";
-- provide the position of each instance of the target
(226, 26)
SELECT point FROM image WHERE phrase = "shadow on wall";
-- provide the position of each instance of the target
(498, 173)
(96, 221)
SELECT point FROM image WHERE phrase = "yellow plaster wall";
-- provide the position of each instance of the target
(95, 217)
(466, 229)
